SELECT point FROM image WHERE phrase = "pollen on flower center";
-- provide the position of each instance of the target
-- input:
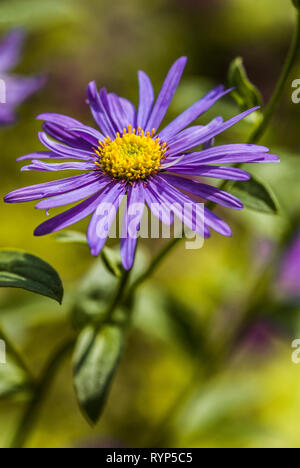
(133, 155)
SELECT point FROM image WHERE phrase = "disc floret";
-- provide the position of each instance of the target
(133, 155)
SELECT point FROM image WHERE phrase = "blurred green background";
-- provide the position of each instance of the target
(188, 319)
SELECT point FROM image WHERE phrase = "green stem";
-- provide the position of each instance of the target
(289, 63)
(157, 260)
(32, 410)
(119, 295)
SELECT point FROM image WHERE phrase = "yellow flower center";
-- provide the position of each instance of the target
(133, 155)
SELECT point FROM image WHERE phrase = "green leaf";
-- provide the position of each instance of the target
(19, 269)
(112, 261)
(245, 93)
(96, 357)
(71, 237)
(255, 195)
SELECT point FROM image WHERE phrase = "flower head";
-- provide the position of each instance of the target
(130, 155)
(14, 88)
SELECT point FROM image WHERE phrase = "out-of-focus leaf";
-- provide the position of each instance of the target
(255, 195)
(19, 269)
(112, 261)
(37, 12)
(71, 237)
(13, 380)
(245, 93)
(167, 319)
(211, 404)
(95, 360)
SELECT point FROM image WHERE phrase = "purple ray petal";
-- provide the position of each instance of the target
(18, 89)
(73, 196)
(166, 94)
(46, 189)
(158, 205)
(190, 132)
(63, 150)
(40, 155)
(117, 112)
(243, 158)
(129, 110)
(217, 172)
(209, 143)
(201, 135)
(99, 112)
(37, 165)
(66, 137)
(172, 162)
(69, 217)
(7, 115)
(193, 112)
(180, 204)
(103, 96)
(89, 134)
(62, 120)
(72, 126)
(104, 216)
(217, 224)
(146, 99)
(10, 49)
(131, 223)
(208, 192)
(227, 154)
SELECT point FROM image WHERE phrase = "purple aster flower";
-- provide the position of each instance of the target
(14, 88)
(130, 156)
